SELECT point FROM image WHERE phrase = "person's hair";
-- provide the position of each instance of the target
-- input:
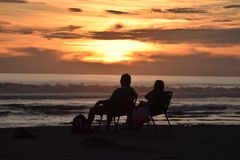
(159, 85)
(125, 80)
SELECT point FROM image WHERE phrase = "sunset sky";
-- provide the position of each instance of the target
(163, 37)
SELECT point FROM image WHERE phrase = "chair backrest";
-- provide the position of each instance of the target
(161, 106)
(167, 98)
(121, 109)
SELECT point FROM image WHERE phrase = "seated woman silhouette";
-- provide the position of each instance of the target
(156, 97)
(158, 102)
(121, 101)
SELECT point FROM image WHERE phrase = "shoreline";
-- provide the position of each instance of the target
(176, 142)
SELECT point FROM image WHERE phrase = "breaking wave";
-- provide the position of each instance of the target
(174, 111)
(60, 91)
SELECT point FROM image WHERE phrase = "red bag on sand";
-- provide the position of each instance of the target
(141, 114)
(79, 124)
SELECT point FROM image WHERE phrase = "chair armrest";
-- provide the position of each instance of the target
(101, 102)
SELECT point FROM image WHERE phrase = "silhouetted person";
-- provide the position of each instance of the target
(156, 97)
(120, 101)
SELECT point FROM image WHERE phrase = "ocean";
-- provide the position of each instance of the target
(54, 99)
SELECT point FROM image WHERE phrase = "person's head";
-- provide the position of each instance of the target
(159, 85)
(125, 80)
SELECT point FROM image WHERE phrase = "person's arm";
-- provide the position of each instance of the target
(102, 102)
(136, 95)
(115, 95)
(148, 96)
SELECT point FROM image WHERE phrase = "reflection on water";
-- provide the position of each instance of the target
(58, 111)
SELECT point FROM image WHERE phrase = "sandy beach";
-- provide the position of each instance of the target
(178, 142)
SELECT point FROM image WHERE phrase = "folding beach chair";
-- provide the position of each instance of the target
(128, 108)
(161, 109)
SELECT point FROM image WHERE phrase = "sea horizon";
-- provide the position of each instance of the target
(172, 75)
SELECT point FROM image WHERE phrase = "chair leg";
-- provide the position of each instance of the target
(109, 119)
(100, 121)
(118, 119)
(154, 124)
(148, 124)
(167, 119)
(116, 124)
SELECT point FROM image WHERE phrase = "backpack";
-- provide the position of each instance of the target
(79, 124)
(141, 114)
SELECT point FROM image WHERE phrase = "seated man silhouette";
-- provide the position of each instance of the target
(121, 102)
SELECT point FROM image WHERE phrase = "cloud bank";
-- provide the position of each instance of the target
(75, 9)
(116, 12)
(186, 10)
(42, 60)
(209, 37)
(232, 6)
(13, 1)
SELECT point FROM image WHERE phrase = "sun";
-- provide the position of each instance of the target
(109, 57)
(109, 51)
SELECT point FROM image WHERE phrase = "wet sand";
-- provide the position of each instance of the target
(178, 142)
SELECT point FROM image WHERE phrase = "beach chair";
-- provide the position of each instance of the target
(163, 108)
(117, 114)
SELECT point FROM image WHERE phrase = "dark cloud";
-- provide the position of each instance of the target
(194, 18)
(65, 32)
(210, 37)
(25, 31)
(196, 64)
(16, 30)
(186, 10)
(13, 1)
(37, 60)
(232, 6)
(4, 23)
(42, 60)
(57, 32)
(234, 24)
(62, 35)
(118, 26)
(156, 10)
(222, 20)
(75, 9)
(116, 12)
(34, 51)
(20, 2)
(110, 35)
(68, 28)
(39, 2)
